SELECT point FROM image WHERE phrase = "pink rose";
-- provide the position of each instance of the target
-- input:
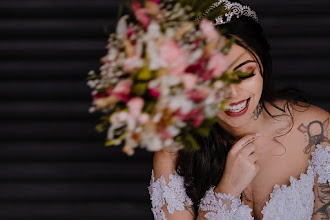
(130, 32)
(206, 75)
(217, 64)
(189, 81)
(189, 116)
(198, 120)
(154, 92)
(99, 95)
(133, 63)
(156, 1)
(135, 106)
(123, 90)
(140, 14)
(173, 57)
(208, 29)
(196, 96)
(196, 67)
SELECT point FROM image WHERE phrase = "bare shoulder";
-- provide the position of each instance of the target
(312, 124)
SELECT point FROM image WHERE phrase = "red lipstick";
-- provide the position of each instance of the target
(240, 113)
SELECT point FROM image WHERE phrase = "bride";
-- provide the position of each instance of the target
(267, 158)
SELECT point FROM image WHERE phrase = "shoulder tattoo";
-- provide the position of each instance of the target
(316, 132)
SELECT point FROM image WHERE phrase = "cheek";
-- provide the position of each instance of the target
(254, 85)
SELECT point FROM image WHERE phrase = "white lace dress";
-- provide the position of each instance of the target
(293, 202)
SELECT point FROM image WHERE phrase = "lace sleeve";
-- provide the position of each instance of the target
(224, 206)
(321, 163)
(173, 194)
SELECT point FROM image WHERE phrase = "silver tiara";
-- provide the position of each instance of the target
(234, 8)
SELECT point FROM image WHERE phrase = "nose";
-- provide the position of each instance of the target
(233, 91)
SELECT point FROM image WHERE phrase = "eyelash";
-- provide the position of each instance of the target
(248, 76)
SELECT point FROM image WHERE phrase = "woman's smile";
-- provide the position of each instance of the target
(237, 109)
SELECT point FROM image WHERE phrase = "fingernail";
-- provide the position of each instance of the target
(258, 134)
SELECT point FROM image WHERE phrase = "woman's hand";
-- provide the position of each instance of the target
(241, 167)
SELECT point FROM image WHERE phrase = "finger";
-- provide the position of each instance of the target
(253, 157)
(244, 141)
(248, 149)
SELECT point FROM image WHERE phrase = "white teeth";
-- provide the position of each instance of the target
(237, 108)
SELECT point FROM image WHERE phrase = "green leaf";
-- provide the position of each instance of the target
(240, 73)
(189, 141)
(223, 105)
(203, 131)
(104, 123)
(205, 127)
(109, 143)
(140, 88)
(228, 45)
(149, 106)
(144, 74)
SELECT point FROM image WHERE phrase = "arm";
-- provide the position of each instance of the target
(223, 201)
(321, 165)
(314, 124)
(169, 200)
(167, 192)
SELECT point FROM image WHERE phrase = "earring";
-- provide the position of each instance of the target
(257, 111)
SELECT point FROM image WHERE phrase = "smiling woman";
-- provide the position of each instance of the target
(254, 163)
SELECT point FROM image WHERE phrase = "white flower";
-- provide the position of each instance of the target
(170, 32)
(173, 130)
(180, 101)
(153, 31)
(122, 27)
(195, 56)
(153, 54)
(151, 141)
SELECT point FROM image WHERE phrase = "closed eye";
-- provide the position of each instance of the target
(248, 76)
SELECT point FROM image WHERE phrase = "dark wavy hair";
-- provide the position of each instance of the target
(204, 168)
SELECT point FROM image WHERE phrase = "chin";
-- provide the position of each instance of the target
(233, 123)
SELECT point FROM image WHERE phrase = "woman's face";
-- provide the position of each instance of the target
(244, 97)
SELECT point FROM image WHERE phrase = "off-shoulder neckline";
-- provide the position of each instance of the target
(278, 188)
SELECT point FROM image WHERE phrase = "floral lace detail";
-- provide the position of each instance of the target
(294, 202)
(215, 204)
(321, 163)
(173, 194)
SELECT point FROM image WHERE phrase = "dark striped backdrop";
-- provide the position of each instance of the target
(53, 165)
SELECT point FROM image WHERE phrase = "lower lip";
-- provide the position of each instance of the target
(238, 114)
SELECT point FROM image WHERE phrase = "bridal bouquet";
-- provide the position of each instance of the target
(163, 78)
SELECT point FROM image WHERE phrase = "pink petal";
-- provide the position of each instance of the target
(123, 89)
(196, 96)
(217, 64)
(198, 121)
(140, 14)
(154, 92)
(135, 106)
(189, 81)
(208, 29)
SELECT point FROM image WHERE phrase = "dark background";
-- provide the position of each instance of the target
(53, 164)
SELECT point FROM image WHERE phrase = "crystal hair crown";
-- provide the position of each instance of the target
(234, 8)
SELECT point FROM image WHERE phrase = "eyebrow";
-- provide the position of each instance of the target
(242, 64)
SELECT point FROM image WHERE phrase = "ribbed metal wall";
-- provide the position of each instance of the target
(52, 163)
